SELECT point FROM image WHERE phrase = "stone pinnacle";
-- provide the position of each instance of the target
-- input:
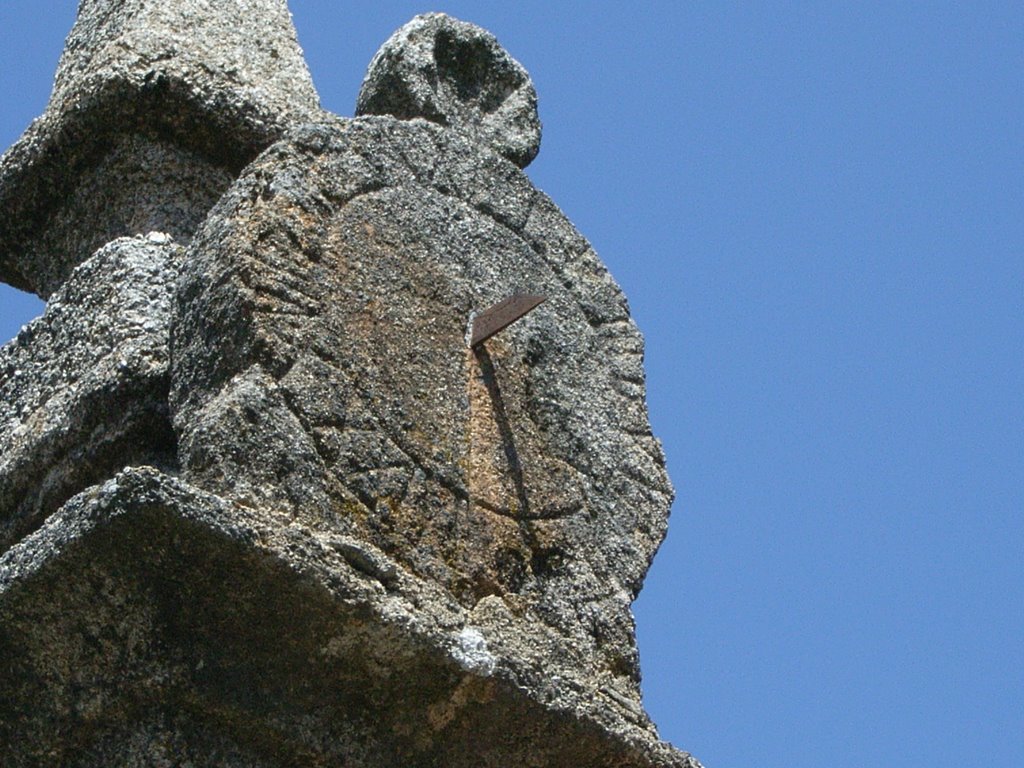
(156, 106)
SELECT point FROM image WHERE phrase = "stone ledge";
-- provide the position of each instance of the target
(148, 616)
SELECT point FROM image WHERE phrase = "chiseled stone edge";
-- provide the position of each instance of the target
(151, 89)
(85, 384)
(361, 584)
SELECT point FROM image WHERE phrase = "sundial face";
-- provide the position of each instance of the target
(348, 260)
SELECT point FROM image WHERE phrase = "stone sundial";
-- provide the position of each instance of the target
(260, 501)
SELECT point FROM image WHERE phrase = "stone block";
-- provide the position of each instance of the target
(321, 368)
(150, 623)
(156, 107)
(83, 388)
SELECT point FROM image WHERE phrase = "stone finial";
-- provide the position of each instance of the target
(156, 106)
(458, 75)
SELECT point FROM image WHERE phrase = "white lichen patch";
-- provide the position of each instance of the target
(471, 652)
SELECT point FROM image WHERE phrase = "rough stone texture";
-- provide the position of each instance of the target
(83, 388)
(230, 638)
(321, 367)
(457, 75)
(260, 503)
(156, 106)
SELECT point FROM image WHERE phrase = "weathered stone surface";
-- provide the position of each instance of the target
(321, 368)
(156, 106)
(277, 512)
(231, 639)
(457, 75)
(83, 388)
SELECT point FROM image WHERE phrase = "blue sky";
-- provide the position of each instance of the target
(816, 212)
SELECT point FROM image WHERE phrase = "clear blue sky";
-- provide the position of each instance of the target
(817, 212)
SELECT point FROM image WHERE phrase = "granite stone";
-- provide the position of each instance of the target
(457, 75)
(156, 107)
(83, 388)
(261, 502)
(236, 640)
(321, 368)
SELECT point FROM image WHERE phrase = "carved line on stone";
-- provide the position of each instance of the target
(440, 474)
(415, 175)
(437, 473)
